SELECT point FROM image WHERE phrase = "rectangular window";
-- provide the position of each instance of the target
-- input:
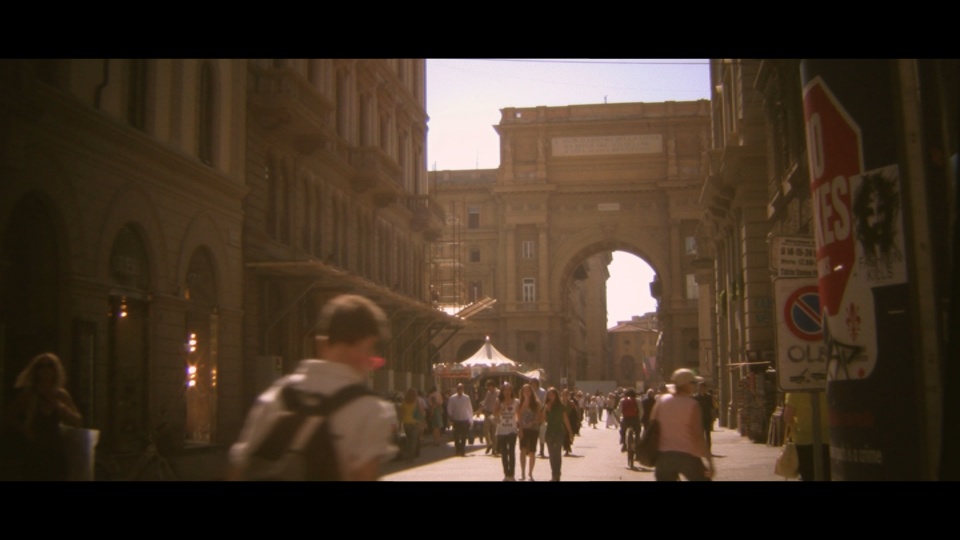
(693, 291)
(690, 245)
(529, 290)
(476, 291)
(473, 217)
(528, 249)
(474, 255)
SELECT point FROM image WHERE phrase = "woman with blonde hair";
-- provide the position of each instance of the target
(412, 418)
(531, 416)
(36, 413)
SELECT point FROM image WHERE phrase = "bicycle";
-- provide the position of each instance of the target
(630, 441)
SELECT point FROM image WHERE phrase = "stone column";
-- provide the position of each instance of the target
(543, 260)
(511, 267)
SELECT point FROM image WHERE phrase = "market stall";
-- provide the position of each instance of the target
(486, 363)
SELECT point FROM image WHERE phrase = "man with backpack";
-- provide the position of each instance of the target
(321, 422)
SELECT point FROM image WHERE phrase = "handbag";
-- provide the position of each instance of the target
(787, 464)
(647, 451)
(79, 447)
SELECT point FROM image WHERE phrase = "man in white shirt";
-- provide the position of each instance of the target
(460, 411)
(349, 330)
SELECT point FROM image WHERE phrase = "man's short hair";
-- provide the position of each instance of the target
(349, 318)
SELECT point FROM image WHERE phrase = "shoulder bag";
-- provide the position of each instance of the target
(647, 451)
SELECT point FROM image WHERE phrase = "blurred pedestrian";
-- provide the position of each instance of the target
(349, 330)
(489, 407)
(559, 431)
(530, 420)
(705, 399)
(681, 445)
(798, 423)
(460, 411)
(506, 416)
(35, 415)
(412, 416)
(435, 413)
(542, 397)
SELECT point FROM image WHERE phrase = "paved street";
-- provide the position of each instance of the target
(596, 457)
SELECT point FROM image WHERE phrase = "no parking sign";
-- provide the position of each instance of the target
(801, 355)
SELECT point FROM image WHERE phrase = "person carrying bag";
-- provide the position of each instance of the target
(788, 462)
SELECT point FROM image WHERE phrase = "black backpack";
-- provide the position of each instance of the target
(299, 445)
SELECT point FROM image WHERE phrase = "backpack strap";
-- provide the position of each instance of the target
(326, 405)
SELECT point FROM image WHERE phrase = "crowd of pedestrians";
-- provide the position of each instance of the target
(536, 422)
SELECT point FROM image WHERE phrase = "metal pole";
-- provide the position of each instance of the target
(817, 440)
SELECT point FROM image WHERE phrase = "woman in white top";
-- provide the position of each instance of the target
(506, 419)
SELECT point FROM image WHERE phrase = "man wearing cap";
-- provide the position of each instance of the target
(681, 445)
(349, 329)
(460, 411)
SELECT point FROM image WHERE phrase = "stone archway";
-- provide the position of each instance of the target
(577, 182)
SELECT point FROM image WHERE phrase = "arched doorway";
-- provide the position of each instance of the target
(127, 330)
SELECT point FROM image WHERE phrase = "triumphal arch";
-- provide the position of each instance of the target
(574, 183)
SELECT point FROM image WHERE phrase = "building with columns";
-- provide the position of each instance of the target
(170, 227)
(824, 158)
(574, 185)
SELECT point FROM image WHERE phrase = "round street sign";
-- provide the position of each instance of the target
(801, 313)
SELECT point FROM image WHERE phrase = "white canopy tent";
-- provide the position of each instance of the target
(488, 355)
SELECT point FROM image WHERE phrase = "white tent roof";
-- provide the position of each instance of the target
(488, 355)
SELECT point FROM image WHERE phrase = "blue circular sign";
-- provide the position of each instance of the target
(802, 313)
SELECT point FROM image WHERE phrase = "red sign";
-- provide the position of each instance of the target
(833, 146)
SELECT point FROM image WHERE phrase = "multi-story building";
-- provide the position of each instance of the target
(170, 228)
(633, 348)
(574, 185)
(838, 176)
(121, 192)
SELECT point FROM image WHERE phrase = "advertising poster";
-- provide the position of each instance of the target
(856, 193)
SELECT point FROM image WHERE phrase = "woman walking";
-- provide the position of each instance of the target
(558, 430)
(36, 414)
(530, 418)
(506, 418)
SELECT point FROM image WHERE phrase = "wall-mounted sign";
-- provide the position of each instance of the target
(606, 145)
(801, 355)
(793, 256)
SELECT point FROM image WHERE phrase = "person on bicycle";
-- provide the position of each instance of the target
(630, 416)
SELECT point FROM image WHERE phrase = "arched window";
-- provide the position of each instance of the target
(206, 113)
(201, 348)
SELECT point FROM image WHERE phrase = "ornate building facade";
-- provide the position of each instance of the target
(169, 228)
(796, 148)
(574, 185)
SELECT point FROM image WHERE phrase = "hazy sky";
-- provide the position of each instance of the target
(464, 98)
